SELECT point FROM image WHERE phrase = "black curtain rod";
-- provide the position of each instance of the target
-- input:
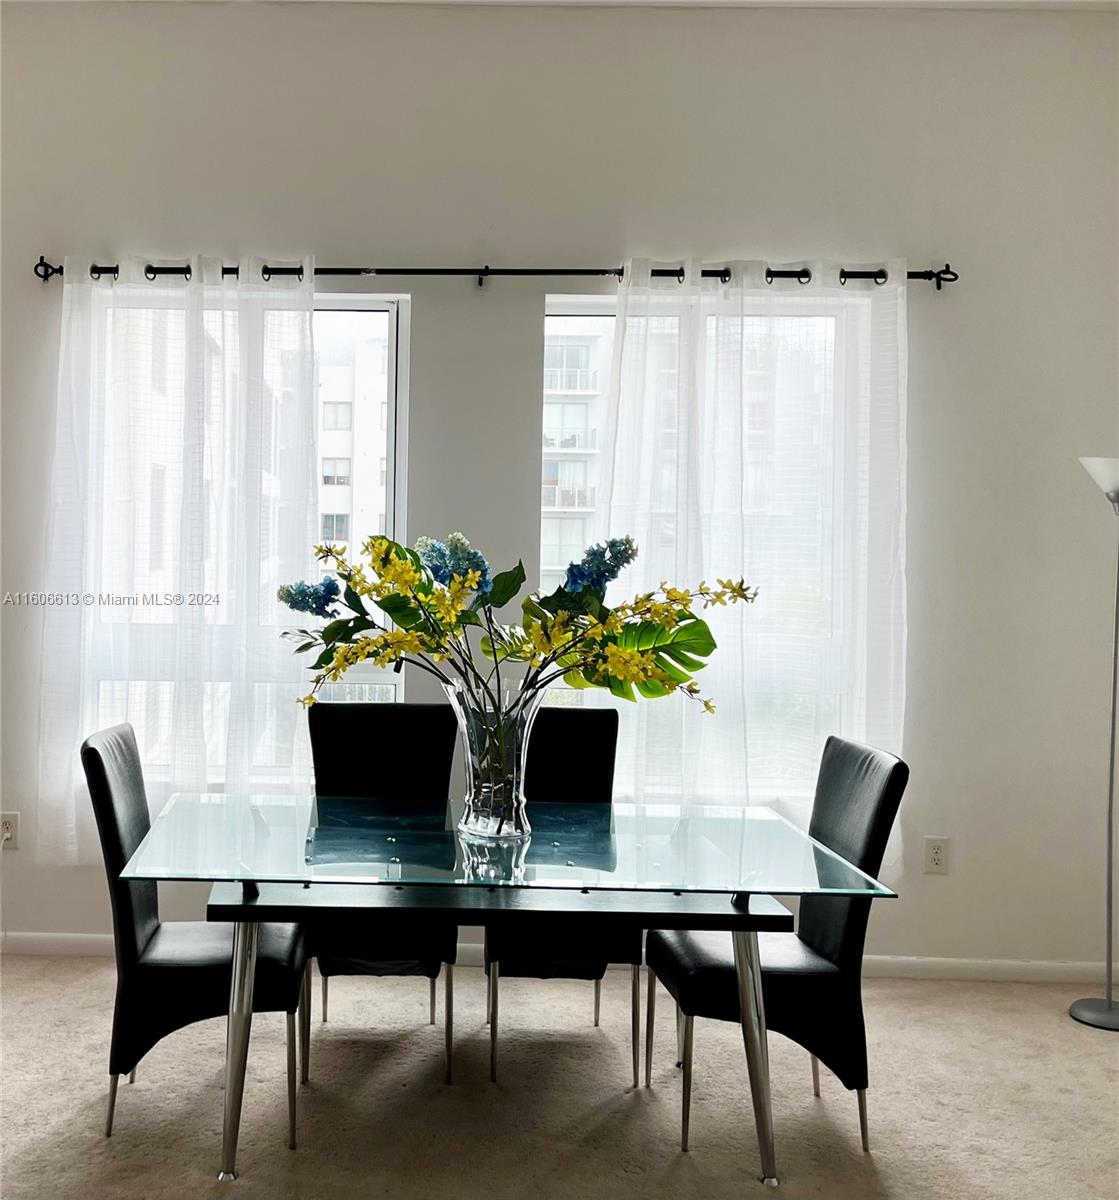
(45, 270)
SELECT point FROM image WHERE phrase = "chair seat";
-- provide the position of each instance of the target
(555, 951)
(698, 969)
(372, 947)
(205, 950)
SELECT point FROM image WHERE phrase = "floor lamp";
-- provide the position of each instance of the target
(1104, 1014)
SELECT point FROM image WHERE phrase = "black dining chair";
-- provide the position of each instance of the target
(394, 755)
(811, 979)
(570, 759)
(172, 974)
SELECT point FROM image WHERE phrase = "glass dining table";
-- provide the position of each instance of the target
(315, 860)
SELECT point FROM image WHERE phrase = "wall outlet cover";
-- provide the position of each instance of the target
(936, 855)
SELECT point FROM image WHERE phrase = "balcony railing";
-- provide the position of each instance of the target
(570, 379)
(557, 496)
(581, 439)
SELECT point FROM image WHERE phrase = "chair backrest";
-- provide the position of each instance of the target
(388, 752)
(112, 768)
(857, 796)
(571, 755)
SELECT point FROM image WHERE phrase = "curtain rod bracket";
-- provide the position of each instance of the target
(44, 270)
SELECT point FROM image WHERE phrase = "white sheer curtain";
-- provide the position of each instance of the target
(182, 494)
(758, 429)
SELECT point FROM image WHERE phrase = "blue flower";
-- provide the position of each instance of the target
(600, 564)
(318, 599)
(456, 556)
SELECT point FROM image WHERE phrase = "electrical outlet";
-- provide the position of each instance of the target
(936, 855)
(9, 831)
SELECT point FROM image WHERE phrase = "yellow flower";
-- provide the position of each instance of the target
(663, 613)
(719, 597)
(628, 665)
(709, 706)
(675, 596)
(738, 590)
(446, 605)
(400, 574)
(308, 700)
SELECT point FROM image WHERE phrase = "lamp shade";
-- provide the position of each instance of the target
(1105, 473)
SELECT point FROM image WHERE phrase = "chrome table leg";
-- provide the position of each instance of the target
(291, 1079)
(112, 1105)
(686, 1107)
(449, 1018)
(324, 997)
(635, 1021)
(815, 1075)
(132, 1075)
(237, 1040)
(305, 1027)
(597, 1000)
(431, 1001)
(650, 1013)
(494, 990)
(747, 966)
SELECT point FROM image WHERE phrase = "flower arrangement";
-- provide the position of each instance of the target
(433, 605)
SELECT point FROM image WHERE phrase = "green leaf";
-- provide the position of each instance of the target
(344, 629)
(304, 648)
(621, 688)
(650, 689)
(505, 587)
(353, 600)
(327, 656)
(401, 611)
(684, 660)
(576, 679)
(586, 601)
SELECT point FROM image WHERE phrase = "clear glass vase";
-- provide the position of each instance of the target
(495, 731)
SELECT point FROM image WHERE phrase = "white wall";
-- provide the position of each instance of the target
(577, 137)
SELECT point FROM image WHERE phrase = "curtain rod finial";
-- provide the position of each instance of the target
(44, 270)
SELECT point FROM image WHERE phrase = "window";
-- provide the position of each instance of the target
(336, 472)
(337, 415)
(355, 375)
(577, 351)
(757, 433)
(335, 527)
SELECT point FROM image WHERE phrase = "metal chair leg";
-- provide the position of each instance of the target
(305, 1026)
(291, 1079)
(597, 1000)
(494, 989)
(689, 1023)
(449, 1018)
(489, 993)
(650, 1013)
(112, 1105)
(679, 1036)
(431, 1001)
(635, 1020)
(325, 981)
(815, 1075)
(132, 1075)
(863, 1128)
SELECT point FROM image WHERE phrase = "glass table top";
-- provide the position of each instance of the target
(339, 839)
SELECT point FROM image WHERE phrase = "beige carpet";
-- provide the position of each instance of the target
(977, 1091)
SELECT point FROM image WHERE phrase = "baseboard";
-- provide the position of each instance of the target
(60, 945)
(875, 966)
(978, 970)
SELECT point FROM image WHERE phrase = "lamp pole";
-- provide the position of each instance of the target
(1104, 1013)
